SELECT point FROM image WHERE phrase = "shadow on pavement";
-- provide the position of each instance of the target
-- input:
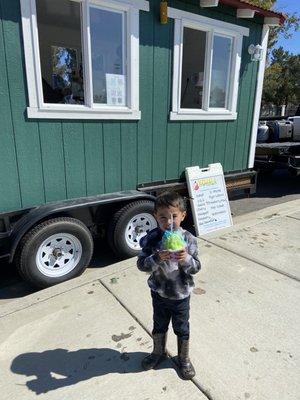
(12, 286)
(273, 188)
(277, 184)
(60, 367)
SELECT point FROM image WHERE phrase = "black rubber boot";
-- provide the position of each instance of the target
(186, 369)
(158, 353)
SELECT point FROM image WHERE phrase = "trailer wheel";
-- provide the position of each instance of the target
(54, 251)
(129, 225)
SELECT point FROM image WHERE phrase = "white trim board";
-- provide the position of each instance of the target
(245, 13)
(258, 94)
(210, 23)
(209, 3)
(38, 109)
(82, 114)
(209, 116)
(206, 113)
(272, 21)
(142, 5)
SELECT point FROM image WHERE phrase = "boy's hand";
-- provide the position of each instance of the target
(181, 255)
(164, 255)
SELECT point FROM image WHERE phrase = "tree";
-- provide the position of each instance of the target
(291, 24)
(282, 75)
(282, 79)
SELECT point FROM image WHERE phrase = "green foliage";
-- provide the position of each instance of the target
(291, 24)
(282, 75)
(263, 3)
(282, 79)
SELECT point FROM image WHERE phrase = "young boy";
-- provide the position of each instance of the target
(171, 281)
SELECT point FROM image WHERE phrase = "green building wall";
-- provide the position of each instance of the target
(48, 160)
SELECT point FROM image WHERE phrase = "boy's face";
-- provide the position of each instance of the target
(165, 216)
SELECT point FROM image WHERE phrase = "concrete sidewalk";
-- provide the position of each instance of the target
(85, 338)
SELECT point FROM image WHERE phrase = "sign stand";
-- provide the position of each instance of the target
(209, 200)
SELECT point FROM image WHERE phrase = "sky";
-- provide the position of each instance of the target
(289, 6)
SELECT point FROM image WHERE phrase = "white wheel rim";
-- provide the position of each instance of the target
(58, 255)
(138, 227)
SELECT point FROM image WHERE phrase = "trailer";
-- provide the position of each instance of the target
(282, 155)
(278, 145)
(103, 104)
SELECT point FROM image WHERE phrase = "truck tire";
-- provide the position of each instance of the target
(54, 251)
(129, 225)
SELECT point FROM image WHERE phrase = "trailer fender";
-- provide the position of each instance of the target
(43, 212)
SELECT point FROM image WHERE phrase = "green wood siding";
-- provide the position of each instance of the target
(94, 158)
(48, 160)
(53, 156)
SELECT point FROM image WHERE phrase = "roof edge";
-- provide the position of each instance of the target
(259, 10)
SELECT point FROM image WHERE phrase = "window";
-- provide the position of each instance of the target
(192, 68)
(82, 58)
(206, 66)
(108, 63)
(220, 69)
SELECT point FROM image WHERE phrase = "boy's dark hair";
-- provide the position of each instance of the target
(170, 199)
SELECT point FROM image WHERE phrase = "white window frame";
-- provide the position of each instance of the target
(38, 109)
(211, 27)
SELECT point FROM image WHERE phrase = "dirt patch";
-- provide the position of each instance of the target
(117, 338)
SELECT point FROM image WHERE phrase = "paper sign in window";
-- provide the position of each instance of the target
(115, 89)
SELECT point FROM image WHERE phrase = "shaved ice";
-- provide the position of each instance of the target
(173, 241)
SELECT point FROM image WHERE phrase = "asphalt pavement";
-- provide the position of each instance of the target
(273, 188)
(86, 338)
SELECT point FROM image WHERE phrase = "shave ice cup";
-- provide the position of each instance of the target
(173, 241)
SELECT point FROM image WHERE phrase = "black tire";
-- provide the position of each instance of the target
(117, 227)
(30, 243)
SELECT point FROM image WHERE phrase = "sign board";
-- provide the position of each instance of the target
(209, 200)
(115, 89)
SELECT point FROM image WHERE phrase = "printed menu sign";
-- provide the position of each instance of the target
(115, 89)
(209, 200)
